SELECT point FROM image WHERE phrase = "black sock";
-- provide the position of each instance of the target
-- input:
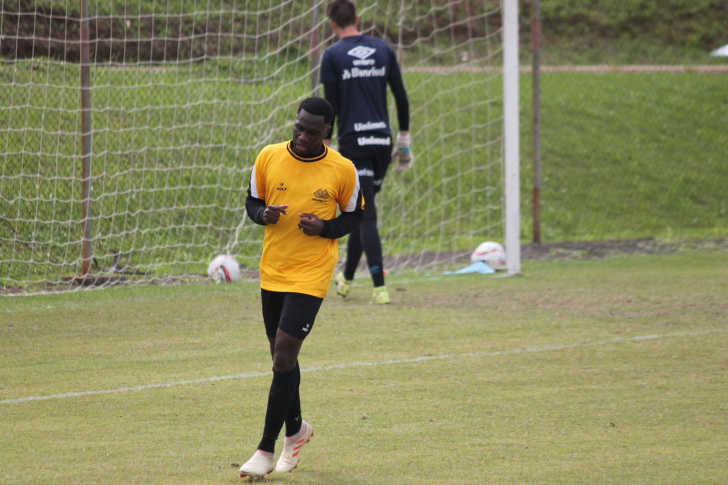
(353, 254)
(293, 419)
(282, 392)
(373, 249)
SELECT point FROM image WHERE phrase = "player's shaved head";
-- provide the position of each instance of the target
(313, 124)
(318, 106)
(342, 13)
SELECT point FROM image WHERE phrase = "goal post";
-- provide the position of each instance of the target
(137, 173)
(511, 113)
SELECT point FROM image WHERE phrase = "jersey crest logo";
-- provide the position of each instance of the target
(321, 194)
(361, 52)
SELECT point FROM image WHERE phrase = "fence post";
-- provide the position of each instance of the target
(315, 47)
(536, 75)
(86, 248)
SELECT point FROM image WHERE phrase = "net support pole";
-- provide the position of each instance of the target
(536, 75)
(511, 137)
(315, 49)
(86, 249)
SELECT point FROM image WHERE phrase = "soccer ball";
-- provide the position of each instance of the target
(224, 269)
(491, 253)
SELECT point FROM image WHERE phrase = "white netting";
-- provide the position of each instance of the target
(185, 94)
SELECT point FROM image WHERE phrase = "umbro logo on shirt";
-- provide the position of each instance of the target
(362, 65)
(361, 52)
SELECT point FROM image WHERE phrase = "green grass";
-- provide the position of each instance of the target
(576, 372)
(630, 155)
(602, 49)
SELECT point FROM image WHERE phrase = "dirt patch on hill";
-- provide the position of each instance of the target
(603, 249)
(595, 69)
(559, 251)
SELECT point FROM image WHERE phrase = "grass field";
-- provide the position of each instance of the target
(629, 155)
(609, 371)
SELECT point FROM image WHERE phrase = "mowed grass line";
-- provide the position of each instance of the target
(625, 411)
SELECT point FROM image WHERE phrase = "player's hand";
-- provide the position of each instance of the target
(272, 213)
(310, 224)
(403, 151)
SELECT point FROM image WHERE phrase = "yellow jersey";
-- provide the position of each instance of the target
(293, 261)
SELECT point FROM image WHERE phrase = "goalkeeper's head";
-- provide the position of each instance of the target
(342, 13)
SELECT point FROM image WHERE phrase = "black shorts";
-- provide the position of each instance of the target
(293, 313)
(370, 161)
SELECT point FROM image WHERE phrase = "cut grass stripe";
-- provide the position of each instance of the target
(351, 365)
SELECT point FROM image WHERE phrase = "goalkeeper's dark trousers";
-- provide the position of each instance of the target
(366, 239)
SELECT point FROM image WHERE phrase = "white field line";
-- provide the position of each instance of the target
(351, 365)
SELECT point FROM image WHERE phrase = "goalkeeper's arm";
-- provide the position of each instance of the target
(331, 93)
(403, 149)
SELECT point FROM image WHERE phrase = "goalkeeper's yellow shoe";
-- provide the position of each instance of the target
(343, 286)
(380, 296)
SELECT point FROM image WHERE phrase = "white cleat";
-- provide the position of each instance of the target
(289, 458)
(260, 465)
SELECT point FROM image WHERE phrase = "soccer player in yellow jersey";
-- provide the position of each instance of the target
(295, 190)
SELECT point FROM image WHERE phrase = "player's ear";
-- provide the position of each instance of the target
(357, 22)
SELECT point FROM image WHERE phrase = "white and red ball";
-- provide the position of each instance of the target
(224, 269)
(491, 253)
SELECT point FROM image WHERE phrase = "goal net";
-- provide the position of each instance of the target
(137, 175)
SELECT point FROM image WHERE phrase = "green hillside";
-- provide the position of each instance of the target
(588, 31)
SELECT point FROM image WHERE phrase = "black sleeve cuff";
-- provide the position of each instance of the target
(255, 208)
